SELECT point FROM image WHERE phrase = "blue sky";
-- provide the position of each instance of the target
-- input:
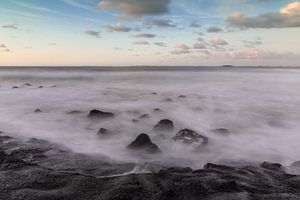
(149, 32)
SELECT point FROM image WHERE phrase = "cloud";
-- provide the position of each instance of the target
(118, 28)
(92, 33)
(10, 26)
(218, 42)
(214, 29)
(195, 24)
(179, 52)
(182, 46)
(288, 16)
(136, 9)
(256, 54)
(3, 48)
(145, 35)
(141, 42)
(33, 7)
(161, 23)
(199, 46)
(79, 4)
(161, 44)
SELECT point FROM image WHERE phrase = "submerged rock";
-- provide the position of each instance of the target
(97, 114)
(157, 110)
(144, 116)
(103, 131)
(135, 120)
(74, 112)
(168, 99)
(38, 110)
(222, 131)
(143, 143)
(165, 125)
(189, 136)
(27, 84)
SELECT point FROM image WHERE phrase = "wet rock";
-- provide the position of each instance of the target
(74, 112)
(97, 114)
(103, 131)
(135, 120)
(222, 131)
(38, 110)
(144, 116)
(168, 100)
(189, 136)
(27, 84)
(165, 125)
(143, 143)
(157, 110)
(272, 166)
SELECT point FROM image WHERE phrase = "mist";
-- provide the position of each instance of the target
(259, 107)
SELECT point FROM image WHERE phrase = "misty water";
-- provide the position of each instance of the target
(260, 108)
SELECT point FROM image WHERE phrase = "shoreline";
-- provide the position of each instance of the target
(37, 169)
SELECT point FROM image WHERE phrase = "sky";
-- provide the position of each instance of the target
(149, 32)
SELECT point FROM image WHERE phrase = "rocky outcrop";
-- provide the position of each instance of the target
(164, 125)
(143, 143)
(188, 136)
(97, 114)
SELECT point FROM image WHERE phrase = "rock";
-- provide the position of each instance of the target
(97, 114)
(27, 84)
(222, 131)
(272, 166)
(157, 110)
(38, 110)
(15, 87)
(144, 116)
(181, 96)
(135, 120)
(103, 131)
(143, 143)
(168, 99)
(164, 125)
(154, 93)
(40, 86)
(74, 112)
(189, 136)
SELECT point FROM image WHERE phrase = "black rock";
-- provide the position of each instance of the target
(74, 112)
(97, 114)
(135, 120)
(27, 84)
(168, 99)
(272, 166)
(143, 143)
(144, 116)
(189, 136)
(181, 96)
(38, 110)
(157, 110)
(164, 125)
(103, 131)
(222, 131)
(15, 87)
(154, 93)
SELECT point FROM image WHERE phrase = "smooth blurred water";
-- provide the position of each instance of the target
(260, 107)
